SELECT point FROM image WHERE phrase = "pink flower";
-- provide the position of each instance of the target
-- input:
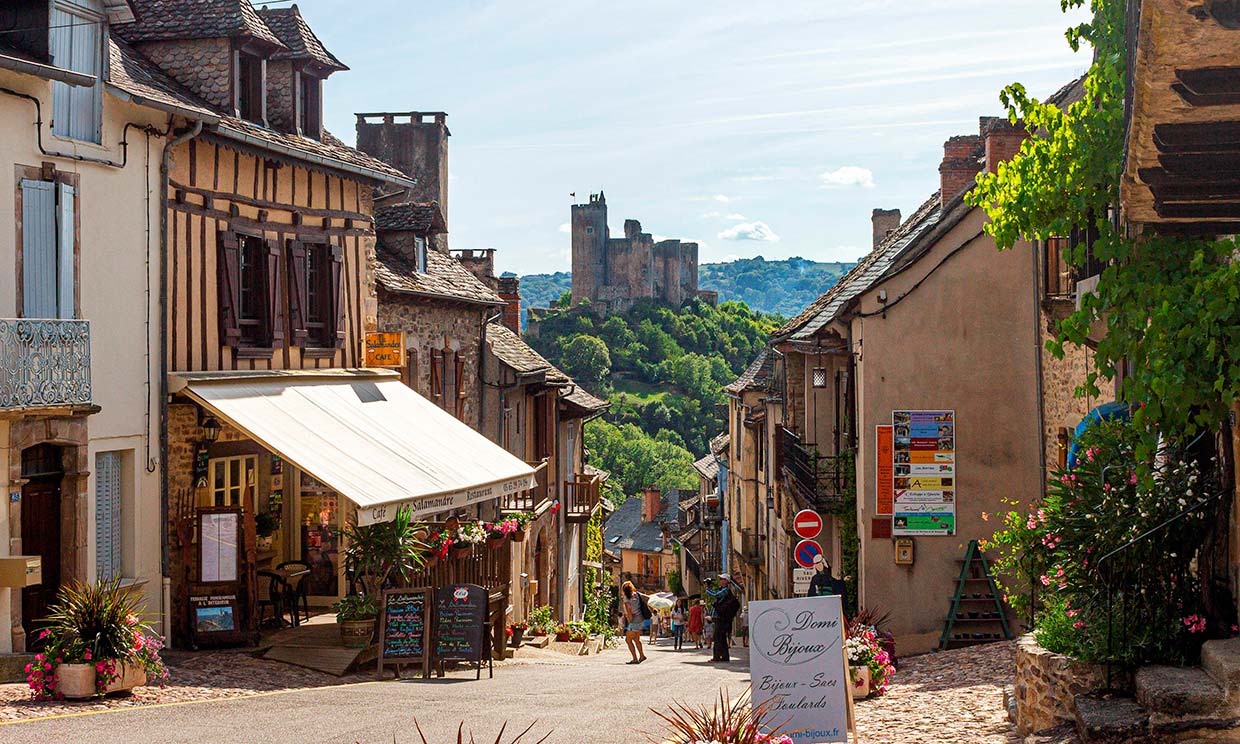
(87, 656)
(1080, 624)
(1046, 580)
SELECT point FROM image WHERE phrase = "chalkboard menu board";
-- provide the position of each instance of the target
(461, 611)
(403, 629)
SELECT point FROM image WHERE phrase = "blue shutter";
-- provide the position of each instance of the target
(65, 230)
(76, 44)
(108, 515)
(38, 249)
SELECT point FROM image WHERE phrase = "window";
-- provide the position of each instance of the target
(252, 316)
(310, 105)
(76, 33)
(447, 381)
(251, 309)
(318, 298)
(589, 230)
(250, 87)
(315, 302)
(48, 243)
(419, 253)
(113, 505)
(230, 478)
(820, 377)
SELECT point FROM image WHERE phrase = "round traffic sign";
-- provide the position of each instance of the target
(806, 551)
(807, 524)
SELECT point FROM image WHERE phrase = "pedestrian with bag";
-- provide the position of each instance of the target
(636, 616)
(678, 625)
(726, 606)
(697, 616)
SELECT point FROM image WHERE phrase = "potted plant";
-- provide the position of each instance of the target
(578, 631)
(869, 666)
(385, 553)
(439, 546)
(95, 643)
(497, 532)
(516, 633)
(356, 616)
(468, 535)
(265, 526)
(541, 621)
(523, 520)
(561, 632)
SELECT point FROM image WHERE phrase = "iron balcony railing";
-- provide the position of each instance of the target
(647, 581)
(818, 480)
(44, 362)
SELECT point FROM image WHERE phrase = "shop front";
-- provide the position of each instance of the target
(266, 470)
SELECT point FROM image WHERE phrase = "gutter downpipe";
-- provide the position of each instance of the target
(164, 168)
(1037, 352)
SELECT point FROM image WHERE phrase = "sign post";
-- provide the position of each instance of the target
(798, 669)
(801, 579)
(404, 630)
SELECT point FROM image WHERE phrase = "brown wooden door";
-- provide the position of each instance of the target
(40, 536)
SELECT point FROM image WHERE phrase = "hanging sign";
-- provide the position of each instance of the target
(385, 349)
(404, 629)
(797, 667)
(805, 552)
(807, 524)
(924, 472)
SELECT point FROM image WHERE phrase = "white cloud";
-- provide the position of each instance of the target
(566, 228)
(737, 216)
(848, 175)
(722, 199)
(711, 215)
(759, 231)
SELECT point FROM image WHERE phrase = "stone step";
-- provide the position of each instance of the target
(1065, 734)
(1179, 692)
(1221, 660)
(1110, 720)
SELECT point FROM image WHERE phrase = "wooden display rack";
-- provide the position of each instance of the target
(976, 606)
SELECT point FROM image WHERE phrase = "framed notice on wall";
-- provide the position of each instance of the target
(923, 472)
(219, 541)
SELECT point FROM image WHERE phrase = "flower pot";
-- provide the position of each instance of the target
(432, 558)
(561, 637)
(495, 542)
(128, 677)
(860, 676)
(264, 542)
(460, 551)
(77, 681)
(518, 635)
(518, 536)
(356, 633)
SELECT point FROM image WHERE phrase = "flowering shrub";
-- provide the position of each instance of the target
(1087, 564)
(864, 649)
(501, 529)
(440, 543)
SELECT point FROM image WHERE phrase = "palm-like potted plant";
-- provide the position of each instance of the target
(381, 555)
(356, 616)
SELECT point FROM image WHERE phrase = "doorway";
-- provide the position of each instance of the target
(43, 471)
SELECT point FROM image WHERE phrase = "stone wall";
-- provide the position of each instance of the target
(1060, 378)
(280, 98)
(1047, 684)
(202, 65)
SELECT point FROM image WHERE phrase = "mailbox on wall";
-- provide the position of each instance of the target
(18, 571)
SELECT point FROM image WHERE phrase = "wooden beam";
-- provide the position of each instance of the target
(1216, 210)
(1160, 177)
(1220, 136)
(1209, 86)
(1194, 164)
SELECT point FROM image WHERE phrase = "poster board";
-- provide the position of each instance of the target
(798, 668)
(461, 612)
(405, 629)
(884, 470)
(219, 544)
(924, 472)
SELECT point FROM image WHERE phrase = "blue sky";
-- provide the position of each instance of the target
(756, 128)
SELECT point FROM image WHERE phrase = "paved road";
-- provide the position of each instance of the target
(587, 700)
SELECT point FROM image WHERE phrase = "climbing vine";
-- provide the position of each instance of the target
(1169, 304)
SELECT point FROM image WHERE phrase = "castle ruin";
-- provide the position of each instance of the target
(613, 273)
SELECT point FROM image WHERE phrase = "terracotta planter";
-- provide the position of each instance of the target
(459, 551)
(495, 542)
(356, 633)
(561, 637)
(518, 536)
(860, 676)
(77, 681)
(518, 635)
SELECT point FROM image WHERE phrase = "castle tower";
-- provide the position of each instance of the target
(416, 143)
(589, 235)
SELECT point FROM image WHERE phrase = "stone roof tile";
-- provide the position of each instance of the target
(444, 277)
(419, 217)
(163, 20)
(510, 349)
(293, 31)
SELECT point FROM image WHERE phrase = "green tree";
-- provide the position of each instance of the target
(587, 360)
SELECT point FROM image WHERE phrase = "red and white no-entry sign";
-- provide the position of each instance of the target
(807, 524)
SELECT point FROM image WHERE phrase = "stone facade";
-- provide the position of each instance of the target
(417, 144)
(614, 272)
(1047, 684)
(280, 95)
(1061, 408)
(202, 65)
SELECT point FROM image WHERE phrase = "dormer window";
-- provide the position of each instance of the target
(250, 87)
(309, 105)
(76, 34)
(419, 253)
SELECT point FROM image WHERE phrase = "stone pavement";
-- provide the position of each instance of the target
(952, 697)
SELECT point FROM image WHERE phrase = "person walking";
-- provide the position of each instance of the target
(635, 619)
(726, 607)
(697, 615)
(678, 624)
(742, 625)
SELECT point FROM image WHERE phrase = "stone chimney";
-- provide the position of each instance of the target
(652, 504)
(884, 221)
(480, 262)
(632, 229)
(508, 288)
(1002, 140)
(961, 163)
(414, 143)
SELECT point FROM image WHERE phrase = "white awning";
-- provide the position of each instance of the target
(364, 434)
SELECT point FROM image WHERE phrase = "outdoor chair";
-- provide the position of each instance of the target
(273, 592)
(299, 592)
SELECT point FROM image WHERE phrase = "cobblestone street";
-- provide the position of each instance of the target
(952, 697)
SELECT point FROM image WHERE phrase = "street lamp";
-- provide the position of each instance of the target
(210, 426)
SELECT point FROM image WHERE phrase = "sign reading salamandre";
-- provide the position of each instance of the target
(797, 668)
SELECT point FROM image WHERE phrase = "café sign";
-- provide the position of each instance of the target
(385, 349)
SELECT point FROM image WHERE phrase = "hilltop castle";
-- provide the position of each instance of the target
(614, 272)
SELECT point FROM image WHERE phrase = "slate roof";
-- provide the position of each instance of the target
(445, 278)
(756, 376)
(580, 397)
(720, 443)
(161, 20)
(861, 277)
(293, 31)
(708, 466)
(135, 75)
(419, 217)
(329, 147)
(629, 532)
(510, 349)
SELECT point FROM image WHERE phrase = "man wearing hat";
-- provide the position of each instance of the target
(726, 606)
(824, 584)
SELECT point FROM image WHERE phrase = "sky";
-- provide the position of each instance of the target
(767, 128)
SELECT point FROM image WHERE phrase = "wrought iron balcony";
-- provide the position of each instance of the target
(44, 363)
(818, 481)
(647, 581)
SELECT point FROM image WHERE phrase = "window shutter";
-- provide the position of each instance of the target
(275, 299)
(229, 275)
(38, 249)
(411, 368)
(76, 44)
(108, 515)
(65, 230)
(460, 384)
(337, 293)
(297, 309)
(437, 375)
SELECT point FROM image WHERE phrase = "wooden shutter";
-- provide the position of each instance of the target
(437, 376)
(38, 249)
(460, 384)
(76, 44)
(65, 232)
(275, 298)
(337, 294)
(297, 309)
(411, 368)
(228, 273)
(108, 515)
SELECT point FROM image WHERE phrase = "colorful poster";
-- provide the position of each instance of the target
(923, 472)
(885, 467)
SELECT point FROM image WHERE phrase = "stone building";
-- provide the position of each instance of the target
(614, 272)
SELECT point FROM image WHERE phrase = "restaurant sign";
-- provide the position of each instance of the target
(385, 349)
(924, 473)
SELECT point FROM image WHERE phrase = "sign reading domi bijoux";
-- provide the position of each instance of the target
(797, 667)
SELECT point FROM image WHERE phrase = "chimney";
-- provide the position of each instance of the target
(480, 262)
(1002, 140)
(960, 166)
(632, 229)
(508, 288)
(884, 221)
(414, 143)
(652, 504)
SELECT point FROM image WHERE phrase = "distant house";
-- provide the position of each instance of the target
(640, 531)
